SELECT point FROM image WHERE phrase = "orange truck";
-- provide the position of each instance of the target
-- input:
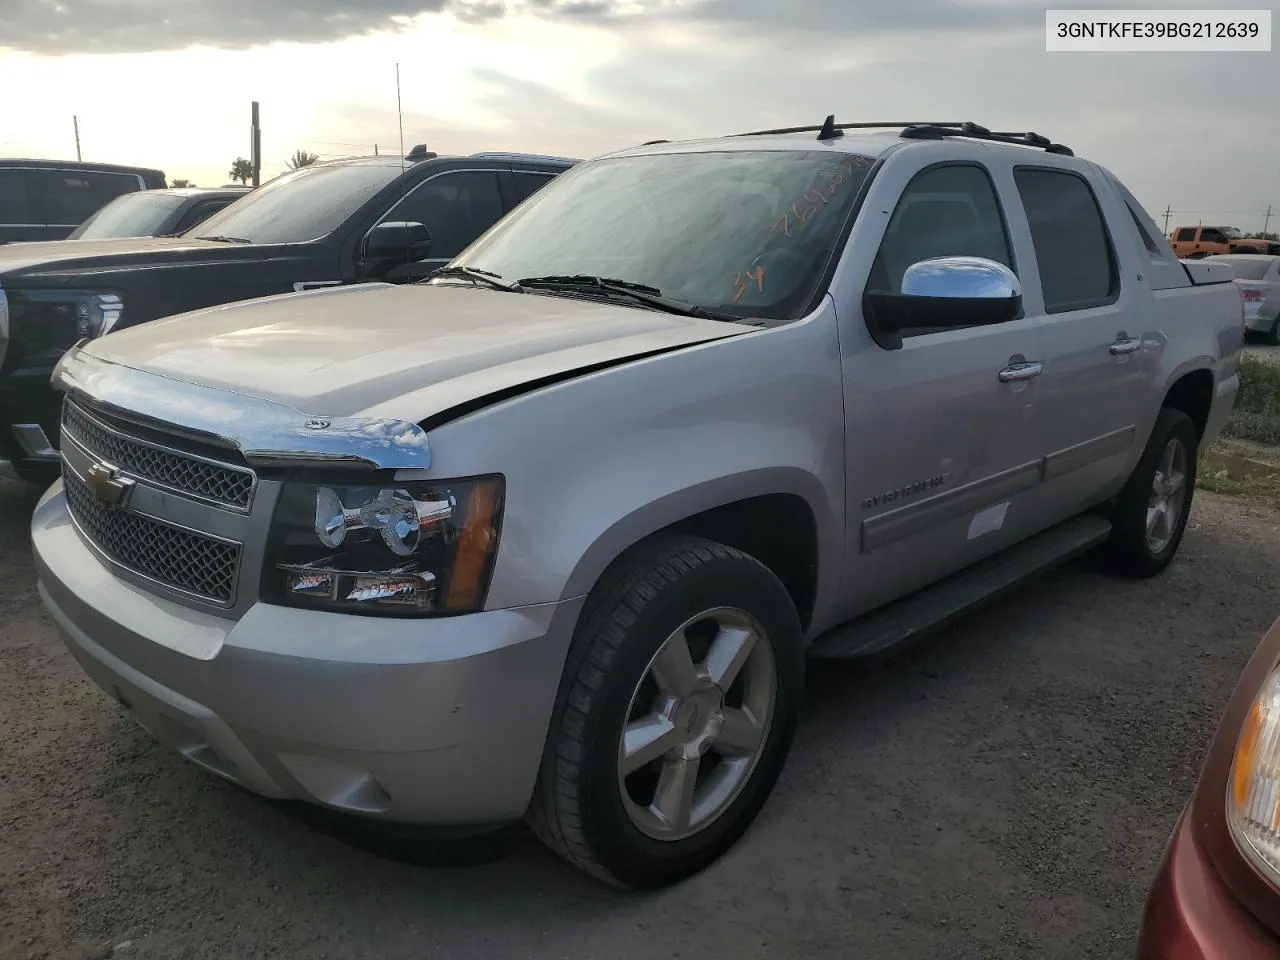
(1193, 243)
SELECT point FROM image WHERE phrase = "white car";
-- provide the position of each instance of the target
(1258, 277)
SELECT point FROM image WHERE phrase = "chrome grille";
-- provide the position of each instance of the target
(221, 483)
(172, 556)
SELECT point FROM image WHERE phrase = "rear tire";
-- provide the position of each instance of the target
(695, 649)
(1150, 515)
(1272, 337)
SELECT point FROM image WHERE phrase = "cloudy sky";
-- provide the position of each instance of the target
(168, 83)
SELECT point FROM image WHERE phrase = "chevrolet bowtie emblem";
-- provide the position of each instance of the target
(107, 486)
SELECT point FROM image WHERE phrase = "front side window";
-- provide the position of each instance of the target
(945, 211)
(136, 214)
(527, 184)
(455, 207)
(1073, 249)
(1212, 236)
(741, 233)
(305, 204)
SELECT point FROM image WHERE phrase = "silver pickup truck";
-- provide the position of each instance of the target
(553, 535)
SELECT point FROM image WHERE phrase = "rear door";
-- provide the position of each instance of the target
(1088, 291)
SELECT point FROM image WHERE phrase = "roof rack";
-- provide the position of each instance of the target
(540, 157)
(923, 130)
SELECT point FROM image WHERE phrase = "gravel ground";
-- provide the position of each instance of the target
(1263, 352)
(1004, 790)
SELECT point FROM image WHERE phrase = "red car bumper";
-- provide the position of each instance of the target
(1191, 915)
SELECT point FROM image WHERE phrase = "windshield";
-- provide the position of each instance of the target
(1233, 233)
(138, 214)
(747, 233)
(302, 205)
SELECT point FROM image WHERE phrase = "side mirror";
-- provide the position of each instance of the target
(944, 293)
(397, 242)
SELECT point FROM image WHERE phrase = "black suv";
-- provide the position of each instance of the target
(47, 199)
(345, 221)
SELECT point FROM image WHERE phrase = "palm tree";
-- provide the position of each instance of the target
(241, 170)
(301, 158)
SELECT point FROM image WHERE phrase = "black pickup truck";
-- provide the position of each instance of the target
(345, 221)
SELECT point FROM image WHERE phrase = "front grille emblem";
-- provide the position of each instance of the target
(107, 486)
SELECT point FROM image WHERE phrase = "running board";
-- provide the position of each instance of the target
(935, 606)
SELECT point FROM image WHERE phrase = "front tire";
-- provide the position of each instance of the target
(1150, 515)
(679, 702)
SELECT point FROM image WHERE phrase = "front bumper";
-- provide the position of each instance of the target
(1190, 913)
(424, 721)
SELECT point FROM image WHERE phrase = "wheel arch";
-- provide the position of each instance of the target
(776, 515)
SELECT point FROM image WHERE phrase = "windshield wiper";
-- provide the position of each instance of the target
(221, 239)
(486, 277)
(641, 292)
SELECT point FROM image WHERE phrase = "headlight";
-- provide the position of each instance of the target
(1253, 794)
(65, 316)
(417, 548)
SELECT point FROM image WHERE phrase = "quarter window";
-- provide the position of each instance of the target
(945, 211)
(455, 207)
(1073, 250)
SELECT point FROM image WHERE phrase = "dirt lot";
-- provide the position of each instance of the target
(1002, 791)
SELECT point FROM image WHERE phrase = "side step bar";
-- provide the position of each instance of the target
(935, 606)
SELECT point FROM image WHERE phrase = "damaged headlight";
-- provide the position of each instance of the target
(416, 548)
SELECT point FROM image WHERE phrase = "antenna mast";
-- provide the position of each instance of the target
(400, 115)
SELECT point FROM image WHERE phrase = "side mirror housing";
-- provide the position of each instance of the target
(394, 242)
(944, 293)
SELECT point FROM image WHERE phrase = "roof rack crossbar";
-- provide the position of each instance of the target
(818, 128)
(1020, 139)
(924, 130)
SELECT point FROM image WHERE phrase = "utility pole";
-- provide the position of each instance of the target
(75, 123)
(1266, 221)
(1167, 214)
(375, 149)
(255, 145)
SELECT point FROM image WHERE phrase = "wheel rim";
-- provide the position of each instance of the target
(697, 724)
(1168, 496)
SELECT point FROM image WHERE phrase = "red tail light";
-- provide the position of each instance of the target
(1249, 294)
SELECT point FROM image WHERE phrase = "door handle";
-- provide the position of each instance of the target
(1124, 345)
(1027, 370)
(302, 285)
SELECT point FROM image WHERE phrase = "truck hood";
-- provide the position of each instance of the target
(30, 264)
(405, 352)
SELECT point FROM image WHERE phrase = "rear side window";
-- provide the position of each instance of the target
(69, 197)
(15, 206)
(527, 184)
(1076, 259)
(1187, 233)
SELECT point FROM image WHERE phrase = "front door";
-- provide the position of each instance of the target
(1084, 297)
(940, 447)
